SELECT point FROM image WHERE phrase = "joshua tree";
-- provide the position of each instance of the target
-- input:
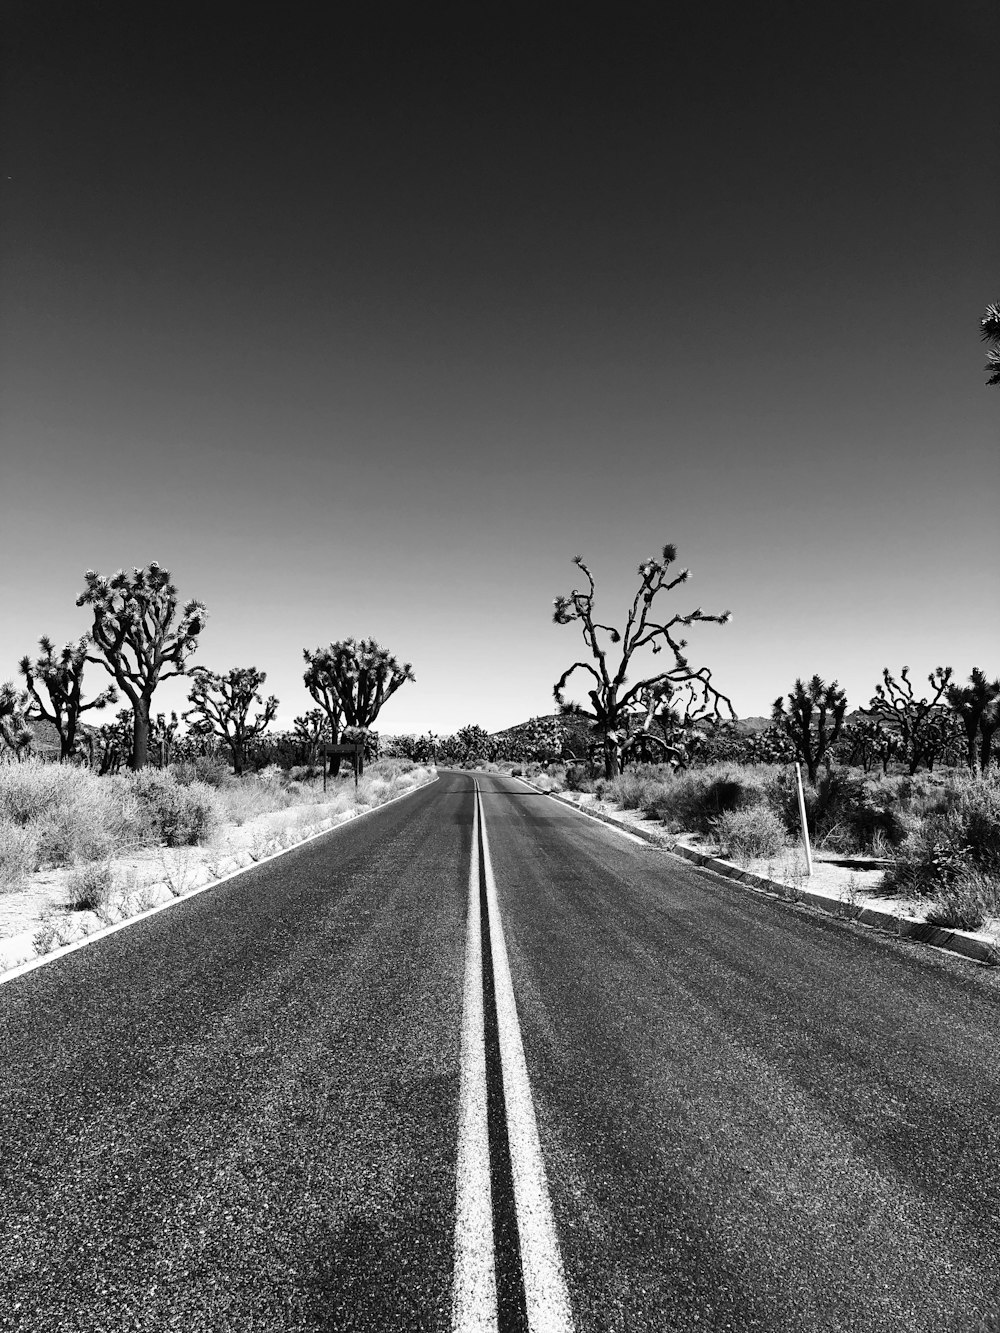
(163, 735)
(134, 628)
(664, 726)
(351, 681)
(62, 675)
(990, 325)
(222, 704)
(475, 743)
(15, 734)
(813, 721)
(919, 723)
(310, 730)
(972, 703)
(115, 741)
(612, 704)
(989, 725)
(869, 739)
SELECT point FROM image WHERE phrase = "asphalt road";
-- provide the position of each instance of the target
(243, 1113)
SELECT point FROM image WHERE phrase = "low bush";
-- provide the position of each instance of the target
(169, 811)
(960, 837)
(74, 815)
(693, 799)
(206, 768)
(18, 854)
(932, 857)
(978, 806)
(967, 903)
(755, 831)
(636, 789)
(90, 886)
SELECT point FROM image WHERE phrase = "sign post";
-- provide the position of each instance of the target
(802, 817)
(355, 749)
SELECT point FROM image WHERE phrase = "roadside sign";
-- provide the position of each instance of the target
(356, 749)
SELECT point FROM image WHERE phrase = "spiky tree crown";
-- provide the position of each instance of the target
(990, 328)
(353, 679)
(15, 733)
(610, 701)
(134, 626)
(222, 703)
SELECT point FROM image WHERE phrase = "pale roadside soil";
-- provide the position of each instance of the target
(38, 916)
(857, 887)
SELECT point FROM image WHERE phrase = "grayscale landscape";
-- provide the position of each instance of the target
(499, 668)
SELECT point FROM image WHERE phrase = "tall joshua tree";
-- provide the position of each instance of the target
(61, 673)
(990, 326)
(975, 703)
(614, 704)
(352, 680)
(813, 720)
(143, 636)
(921, 724)
(222, 704)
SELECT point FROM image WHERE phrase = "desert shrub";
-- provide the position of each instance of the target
(680, 804)
(190, 818)
(169, 812)
(32, 789)
(753, 831)
(206, 768)
(18, 854)
(967, 902)
(733, 788)
(250, 797)
(90, 886)
(978, 807)
(846, 810)
(636, 789)
(577, 778)
(72, 811)
(931, 858)
(960, 836)
(392, 766)
(692, 800)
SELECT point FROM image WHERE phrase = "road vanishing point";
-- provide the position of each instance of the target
(479, 1063)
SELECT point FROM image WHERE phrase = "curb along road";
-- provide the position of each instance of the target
(916, 932)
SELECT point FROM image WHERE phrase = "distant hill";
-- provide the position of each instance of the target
(46, 740)
(747, 726)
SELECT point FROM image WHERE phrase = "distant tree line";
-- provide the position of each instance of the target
(140, 635)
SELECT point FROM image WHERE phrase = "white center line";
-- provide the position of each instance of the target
(546, 1294)
(474, 1297)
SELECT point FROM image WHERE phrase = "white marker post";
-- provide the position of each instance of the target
(802, 819)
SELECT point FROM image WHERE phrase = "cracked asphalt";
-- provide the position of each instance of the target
(242, 1113)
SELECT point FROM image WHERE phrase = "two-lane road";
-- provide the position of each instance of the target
(249, 1111)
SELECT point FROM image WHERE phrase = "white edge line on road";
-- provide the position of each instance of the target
(614, 828)
(95, 935)
(474, 1296)
(545, 1290)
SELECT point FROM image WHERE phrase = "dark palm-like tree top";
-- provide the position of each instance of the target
(990, 325)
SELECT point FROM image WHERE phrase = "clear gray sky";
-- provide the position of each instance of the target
(367, 326)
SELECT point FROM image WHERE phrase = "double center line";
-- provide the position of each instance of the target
(508, 1274)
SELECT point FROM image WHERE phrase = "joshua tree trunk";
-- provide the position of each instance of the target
(140, 733)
